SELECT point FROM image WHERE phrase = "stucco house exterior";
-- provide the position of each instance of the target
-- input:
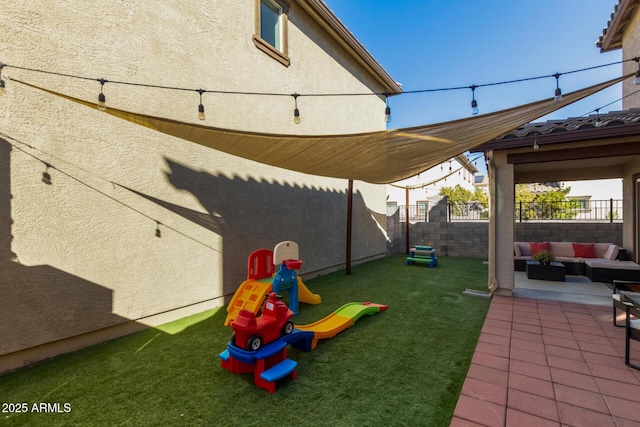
(598, 146)
(107, 227)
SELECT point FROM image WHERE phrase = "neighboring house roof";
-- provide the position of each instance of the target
(611, 38)
(571, 129)
(330, 23)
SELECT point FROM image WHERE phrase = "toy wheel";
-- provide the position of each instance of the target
(254, 343)
(287, 328)
(233, 339)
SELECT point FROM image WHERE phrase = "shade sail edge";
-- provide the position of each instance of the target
(378, 157)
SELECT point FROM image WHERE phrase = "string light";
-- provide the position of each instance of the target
(611, 103)
(387, 110)
(558, 93)
(437, 180)
(201, 115)
(535, 143)
(296, 112)
(3, 90)
(46, 178)
(474, 103)
(102, 106)
(598, 123)
(22, 147)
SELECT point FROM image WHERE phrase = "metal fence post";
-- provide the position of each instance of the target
(611, 210)
(520, 203)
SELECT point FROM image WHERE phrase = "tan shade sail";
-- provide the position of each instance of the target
(377, 157)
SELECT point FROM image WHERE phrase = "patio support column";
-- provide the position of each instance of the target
(501, 225)
(406, 224)
(349, 226)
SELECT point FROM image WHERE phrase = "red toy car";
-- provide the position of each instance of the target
(251, 332)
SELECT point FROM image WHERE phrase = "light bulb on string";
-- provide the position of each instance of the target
(3, 90)
(387, 110)
(535, 143)
(201, 115)
(598, 122)
(296, 112)
(474, 103)
(558, 93)
(636, 79)
(102, 106)
(46, 177)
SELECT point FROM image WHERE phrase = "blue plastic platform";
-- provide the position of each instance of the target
(300, 340)
(249, 357)
(278, 371)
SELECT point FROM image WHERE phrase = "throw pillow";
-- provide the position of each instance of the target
(540, 246)
(584, 250)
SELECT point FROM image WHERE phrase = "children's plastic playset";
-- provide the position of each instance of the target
(259, 343)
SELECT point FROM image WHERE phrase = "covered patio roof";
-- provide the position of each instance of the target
(591, 147)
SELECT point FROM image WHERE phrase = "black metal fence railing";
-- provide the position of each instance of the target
(569, 210)
(473, 211)
(574, 210)
(416, 213)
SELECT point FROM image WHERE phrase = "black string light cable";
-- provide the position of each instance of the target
(597, 124)
(102, 81)
(451, 172)
(597, 110)
(46, 178)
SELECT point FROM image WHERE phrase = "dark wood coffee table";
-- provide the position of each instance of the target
(554, 271)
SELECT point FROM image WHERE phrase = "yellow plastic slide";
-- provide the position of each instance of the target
(250, 296)
(305, 295)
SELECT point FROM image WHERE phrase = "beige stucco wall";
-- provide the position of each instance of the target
(629, 211)
(631, 49)
(82, 254)
(501, 223)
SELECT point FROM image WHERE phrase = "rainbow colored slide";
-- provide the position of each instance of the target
(332, 325)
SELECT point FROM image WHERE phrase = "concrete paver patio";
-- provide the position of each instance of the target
(545, 362)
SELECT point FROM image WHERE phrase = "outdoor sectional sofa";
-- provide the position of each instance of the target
(597, 261)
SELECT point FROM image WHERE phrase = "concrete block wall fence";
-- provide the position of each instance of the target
(471, 239)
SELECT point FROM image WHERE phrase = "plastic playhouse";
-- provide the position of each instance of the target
(268, 360)
(263, 278)
(258, 344)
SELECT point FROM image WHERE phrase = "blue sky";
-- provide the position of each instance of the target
(428, 44)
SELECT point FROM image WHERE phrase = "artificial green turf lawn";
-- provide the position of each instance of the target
(402, 367)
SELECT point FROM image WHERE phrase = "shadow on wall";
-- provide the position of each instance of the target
(40, 304)
(250, 214)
